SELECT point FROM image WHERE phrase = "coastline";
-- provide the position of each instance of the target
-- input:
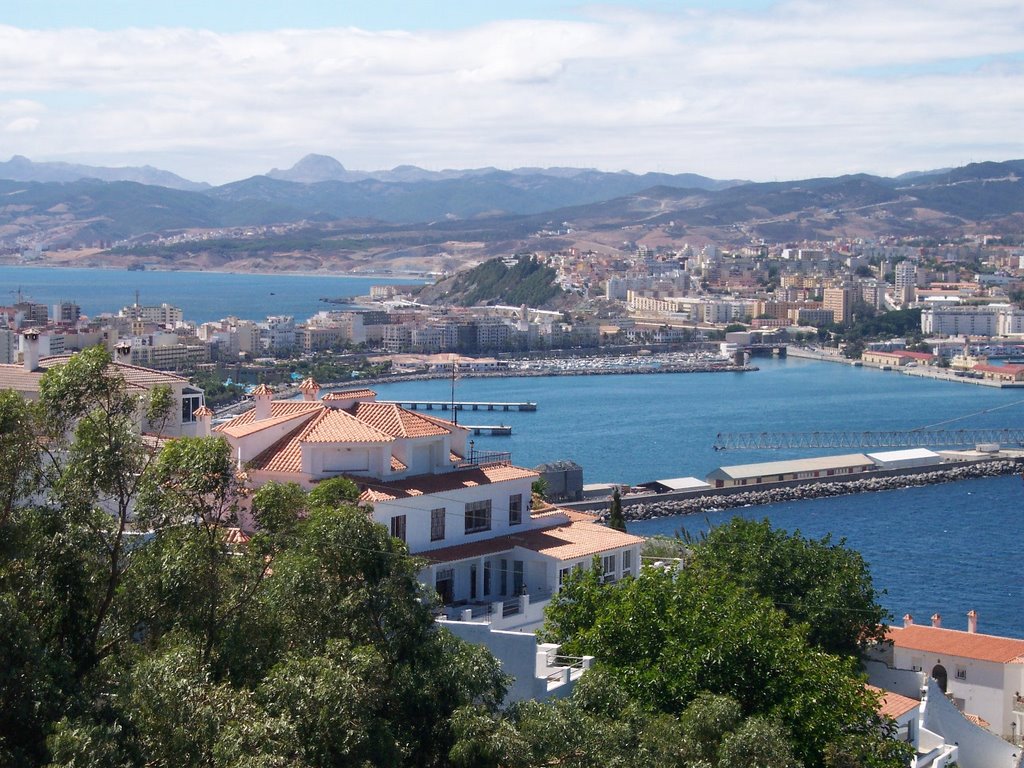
(640, 510)
(387, 275)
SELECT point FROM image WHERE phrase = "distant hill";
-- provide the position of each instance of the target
(505, 211)
(20, 168)
(527, 281)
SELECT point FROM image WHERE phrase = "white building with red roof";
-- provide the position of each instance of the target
(983, 675)
(184, 421)
(491, 557)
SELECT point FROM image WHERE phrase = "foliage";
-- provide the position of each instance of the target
(134, 633)
(616, 520)
(815, 582)
(669, 635)
(527, 282)
(600, 724)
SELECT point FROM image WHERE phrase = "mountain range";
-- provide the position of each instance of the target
(410, 210)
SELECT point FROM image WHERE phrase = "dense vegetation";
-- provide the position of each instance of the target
(136, 630)
(527, 282)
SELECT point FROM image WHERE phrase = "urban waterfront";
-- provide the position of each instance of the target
(203, 296)
(945, 548)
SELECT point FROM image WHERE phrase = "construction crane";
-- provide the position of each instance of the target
(933, 436)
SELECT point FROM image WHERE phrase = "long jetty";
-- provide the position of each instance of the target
(461, 405)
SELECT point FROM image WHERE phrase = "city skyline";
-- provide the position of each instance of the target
(746, 89)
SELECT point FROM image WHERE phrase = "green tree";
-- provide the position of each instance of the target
(667, 636)
(816, 582)
(616, 520)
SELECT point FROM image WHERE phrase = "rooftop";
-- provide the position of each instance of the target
(819, 463)
(953, 642)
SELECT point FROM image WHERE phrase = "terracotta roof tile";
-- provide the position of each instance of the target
(893, 704)
(309, 384)
(396, 421)
(17, 378)
(202, 411)
(953, 642)
(421, 485)
(283, 456)
(979, 721)
(350, 394)
(262, 389)
(279, 408)
(397, 465)
(568, 541)
(342, 427)
(237, 428)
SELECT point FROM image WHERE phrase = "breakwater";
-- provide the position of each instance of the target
(820, 490)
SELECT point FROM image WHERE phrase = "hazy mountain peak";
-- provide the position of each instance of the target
(311, 169)
(21, 168)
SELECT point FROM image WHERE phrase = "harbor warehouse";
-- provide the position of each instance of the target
(796, 469)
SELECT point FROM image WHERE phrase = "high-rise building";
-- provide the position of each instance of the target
(840, 301)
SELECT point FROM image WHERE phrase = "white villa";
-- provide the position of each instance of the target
(492, 558)
(184, 420)
(983, 675)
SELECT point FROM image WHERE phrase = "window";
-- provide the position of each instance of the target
(609, 568)
(961, 673)
(189, 405)
(627, 563)
(398, 527)
(563, 574)
(518, 585)
(478, 516)
(487, 578)
(437, 524)
(504, 576)
(515, 509)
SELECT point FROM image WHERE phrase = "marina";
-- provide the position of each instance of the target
(461, 405)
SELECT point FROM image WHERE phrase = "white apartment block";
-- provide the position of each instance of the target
(987, 320)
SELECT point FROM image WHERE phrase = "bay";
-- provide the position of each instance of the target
(203, 296)
(945, 548)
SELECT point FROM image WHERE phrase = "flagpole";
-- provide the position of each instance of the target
(455, 413)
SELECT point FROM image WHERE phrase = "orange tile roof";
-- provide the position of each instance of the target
(395, 420)
(397, 465)
(278, 408)
(17, 378)
(309, 384)
(334, 426)
(568, 541)
(421, 485)
(238, 428)
(262, 389)
(1009, 370)
(202, 411)
(283, 456)
(954, 642)
(350, 394)
(979, 721)
(893, 704)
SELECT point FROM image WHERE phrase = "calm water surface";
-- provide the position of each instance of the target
(946, 548)
(204, 296)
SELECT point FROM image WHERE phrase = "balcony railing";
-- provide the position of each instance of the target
(485, 459)
(1018, 703)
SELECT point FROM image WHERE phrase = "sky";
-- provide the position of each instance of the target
(221, 90)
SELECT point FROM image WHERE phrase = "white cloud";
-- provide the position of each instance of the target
(806, 87)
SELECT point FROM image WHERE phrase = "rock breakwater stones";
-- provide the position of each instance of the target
(699, 504)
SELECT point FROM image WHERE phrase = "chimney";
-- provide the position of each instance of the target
(123, 352)
(309, 388)
(262, 396)
(908, 620)
(30, 349)
(204, 416)
(972, 621)
(936, 620)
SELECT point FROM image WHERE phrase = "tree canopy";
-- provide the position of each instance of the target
(135, 632)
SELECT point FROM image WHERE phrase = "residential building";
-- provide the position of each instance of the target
(840, 301)
(24, 378)
(983, 675)
(491, 557)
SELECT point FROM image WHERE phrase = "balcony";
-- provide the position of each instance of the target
(484, 459)
(513, 612)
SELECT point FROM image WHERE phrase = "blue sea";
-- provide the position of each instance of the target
(204, 296)
(945, 548)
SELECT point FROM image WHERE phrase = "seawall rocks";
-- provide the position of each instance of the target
(817, 490)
